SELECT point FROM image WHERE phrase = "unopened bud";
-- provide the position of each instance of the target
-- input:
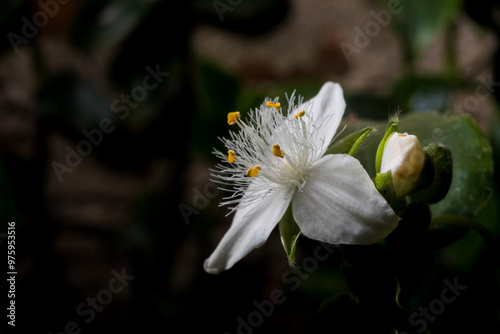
(404, 157)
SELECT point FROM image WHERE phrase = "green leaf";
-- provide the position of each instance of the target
(417, 23)
(365, 105)
(248, 17)
(108, 22)
(467, 249)
(423, 92)
(350, 144)
(290, 233)
(216, 92)
(471, 186)
(445, 230)
(340, 314)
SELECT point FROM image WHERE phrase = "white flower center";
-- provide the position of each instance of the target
(272, 150)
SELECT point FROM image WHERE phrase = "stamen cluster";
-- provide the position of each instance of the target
(272, 149)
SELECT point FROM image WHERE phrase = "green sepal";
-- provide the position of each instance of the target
(391, 128)
(442, 167)
(290, 233)
(351, 143)
(384, 185)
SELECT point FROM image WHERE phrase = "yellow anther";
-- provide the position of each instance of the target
(277, 151)
(403, 134)
(300, 114)
(232, 117)
(253, 172)
(231, 157)
(270, 104)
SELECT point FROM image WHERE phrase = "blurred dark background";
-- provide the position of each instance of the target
(109, 111)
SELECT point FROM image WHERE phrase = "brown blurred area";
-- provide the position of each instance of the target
(306, 45)
(125, 215)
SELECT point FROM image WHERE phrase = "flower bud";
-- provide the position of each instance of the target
(404, 157)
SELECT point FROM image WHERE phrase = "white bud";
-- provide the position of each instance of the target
(404, 157)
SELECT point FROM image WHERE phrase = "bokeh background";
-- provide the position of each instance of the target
(141, 202)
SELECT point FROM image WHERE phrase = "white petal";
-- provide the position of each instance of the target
(328, 107)
(251, 227)
(339, 204)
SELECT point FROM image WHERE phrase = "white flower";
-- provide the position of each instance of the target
(404, 157)
(276, 159)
